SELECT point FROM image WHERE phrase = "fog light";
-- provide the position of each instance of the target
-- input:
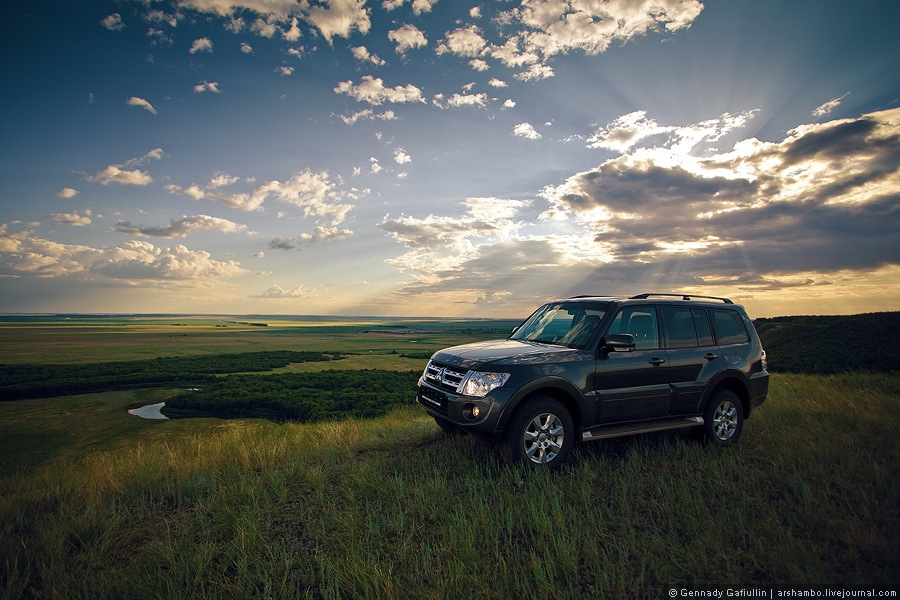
(471, 411)
(475, 411)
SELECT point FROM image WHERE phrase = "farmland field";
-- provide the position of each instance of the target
(97, 503)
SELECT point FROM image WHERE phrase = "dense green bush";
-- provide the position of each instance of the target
(299, 396)
(42, 381)
(832, 344)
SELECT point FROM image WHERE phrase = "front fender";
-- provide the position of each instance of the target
(553, 386)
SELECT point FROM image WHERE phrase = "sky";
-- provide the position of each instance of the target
(447, 158)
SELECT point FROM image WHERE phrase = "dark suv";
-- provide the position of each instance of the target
(593, 367)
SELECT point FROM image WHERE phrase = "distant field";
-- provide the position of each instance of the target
(87, 340)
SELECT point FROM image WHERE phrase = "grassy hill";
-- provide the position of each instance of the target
(390, 508)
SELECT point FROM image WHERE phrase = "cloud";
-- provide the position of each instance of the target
(362, 53)
(466, 42)
(419, 6)
(319, 234)
(559, 26)
(369, 115)
(75, 219)
(372, 90)
(436, 243)
(401, 157)
(67, 193)
(535, 73)
(339, 18)
(125, 173)
(671, 211)
(266, 29)
(246, 48)
(201, 45)
(829, 106)
(460, 100)
(315, 192)
(526, 130)
(113, 22)
(284, 71)
(207, 86)
(25, 255)
(276, 292)
(181, 227)
(141, 103)
(406, 38)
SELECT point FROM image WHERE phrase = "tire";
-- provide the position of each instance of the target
(450, 429)
(540, 434)
(723, 419)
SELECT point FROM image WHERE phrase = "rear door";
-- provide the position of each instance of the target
(693, 356)
(633, 385)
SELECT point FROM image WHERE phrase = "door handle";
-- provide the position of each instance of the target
(710, 356)
(655, 361)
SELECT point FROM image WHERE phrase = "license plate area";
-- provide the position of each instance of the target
(433, 399)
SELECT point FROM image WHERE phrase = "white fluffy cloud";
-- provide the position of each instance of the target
(201, 45)
(463, 41)
(23, 254)
(339, 18)
(319, 234)
(125, 173)
(362, 53)
(67, 193)
(407, 37)
(526, 130)
(373, 91)
(75, 219)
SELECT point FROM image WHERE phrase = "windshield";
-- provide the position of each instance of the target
(571, 324)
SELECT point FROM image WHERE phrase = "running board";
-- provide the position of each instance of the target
(602, 433)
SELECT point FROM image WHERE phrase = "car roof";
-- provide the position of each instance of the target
(648, 296)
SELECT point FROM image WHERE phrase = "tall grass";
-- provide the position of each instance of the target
(388, 508)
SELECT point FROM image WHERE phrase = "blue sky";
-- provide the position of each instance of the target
(442, 158)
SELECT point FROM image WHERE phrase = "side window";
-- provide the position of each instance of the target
(729, 327)
(639, 321)
(704, 332)
(680, 329)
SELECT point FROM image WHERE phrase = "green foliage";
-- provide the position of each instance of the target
(315, 396)
(833, 344)
(42, 381)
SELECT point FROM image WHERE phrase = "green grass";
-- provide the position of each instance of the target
(389, 508)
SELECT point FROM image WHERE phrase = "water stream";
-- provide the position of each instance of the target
(149, 411)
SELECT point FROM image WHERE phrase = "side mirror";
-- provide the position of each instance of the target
(619, 342)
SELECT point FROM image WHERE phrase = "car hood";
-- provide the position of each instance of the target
(499, 353)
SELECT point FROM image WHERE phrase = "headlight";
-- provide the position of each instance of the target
(479, 384)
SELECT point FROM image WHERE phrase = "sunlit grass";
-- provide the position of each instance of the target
(389, 508)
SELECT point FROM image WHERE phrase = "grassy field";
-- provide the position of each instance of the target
(388, 507)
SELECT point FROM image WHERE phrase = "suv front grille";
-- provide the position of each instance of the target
(444, 376)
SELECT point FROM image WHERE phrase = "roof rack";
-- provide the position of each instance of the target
(682, 296)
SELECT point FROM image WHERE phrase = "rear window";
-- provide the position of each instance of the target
(729, 327)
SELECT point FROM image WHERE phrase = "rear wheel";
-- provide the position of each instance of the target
(540, 434)
(723, 419)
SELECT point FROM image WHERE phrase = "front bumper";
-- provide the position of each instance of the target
(458, 409)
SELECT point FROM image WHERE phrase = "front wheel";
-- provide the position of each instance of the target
(540, 434)
(723, 419)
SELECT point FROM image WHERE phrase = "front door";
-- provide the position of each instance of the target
(633, 385)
